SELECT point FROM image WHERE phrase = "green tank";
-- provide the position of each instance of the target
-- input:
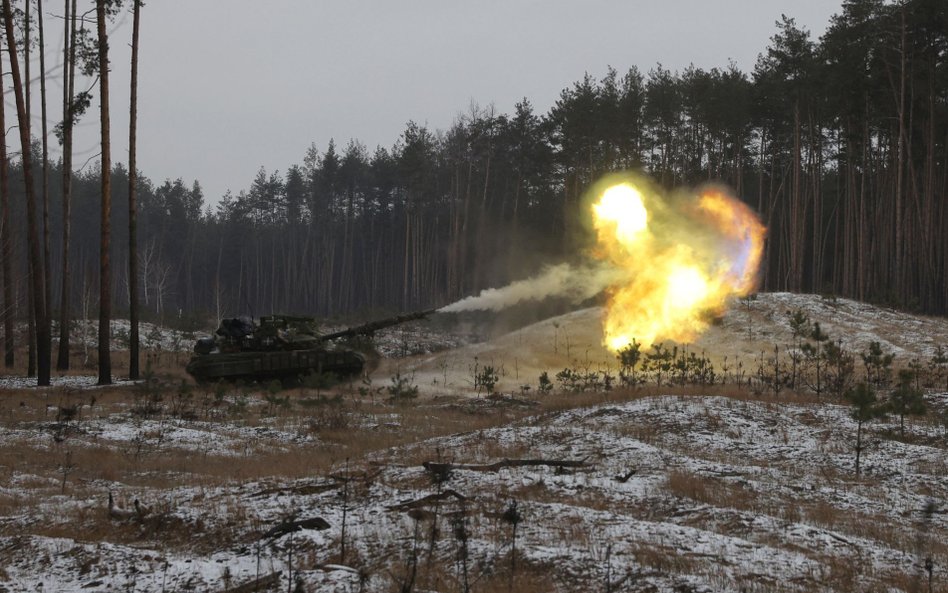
(281, 347)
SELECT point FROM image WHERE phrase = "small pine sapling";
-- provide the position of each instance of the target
(906, 399)
(544, 385)
(916, 368)
(839, 368)
(629, 357)
(938, 366)
(487, 377)
(402, 388)
(700, 369)
(608, 380)
(660, 361)
(181, 405)
(878, 365)
(800, 327)
(813, 354)
(747, 301)
(569, 380)
(149, 394)
(864, 407)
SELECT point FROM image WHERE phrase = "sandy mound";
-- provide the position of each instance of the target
(749, 328)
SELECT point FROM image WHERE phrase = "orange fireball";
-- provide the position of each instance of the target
(678, 256)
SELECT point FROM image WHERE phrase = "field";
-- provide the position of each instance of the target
(423, 478)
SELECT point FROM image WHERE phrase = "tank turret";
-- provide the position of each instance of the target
(281, 347)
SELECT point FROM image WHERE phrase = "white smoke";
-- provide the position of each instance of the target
(563, 280)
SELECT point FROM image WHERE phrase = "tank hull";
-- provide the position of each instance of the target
(283, 365)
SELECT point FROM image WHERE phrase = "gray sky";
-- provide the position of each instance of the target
(228, 87)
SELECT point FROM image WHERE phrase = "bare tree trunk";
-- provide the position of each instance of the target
(30, 329)
(31, 309)
(26, 59)
(797, 239)
(69, 72)
(406, 303)
(47, 270)
(133, 370)
(898, 283)
(6, 230)
(816, 154)
(105, 276)
(36, 269)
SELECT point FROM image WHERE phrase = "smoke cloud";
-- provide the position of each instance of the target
(574, 283)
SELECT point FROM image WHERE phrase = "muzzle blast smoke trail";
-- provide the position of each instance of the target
(575, 283)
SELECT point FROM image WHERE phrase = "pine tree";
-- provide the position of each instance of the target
(864, 407)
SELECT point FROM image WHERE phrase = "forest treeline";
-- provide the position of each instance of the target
(838, 143)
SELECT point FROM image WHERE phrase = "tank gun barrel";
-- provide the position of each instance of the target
(373, 326)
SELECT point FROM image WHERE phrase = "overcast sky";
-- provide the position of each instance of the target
(229, 86)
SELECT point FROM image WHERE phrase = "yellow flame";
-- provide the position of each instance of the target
(686, 287)
(680, 257)
(622, 212)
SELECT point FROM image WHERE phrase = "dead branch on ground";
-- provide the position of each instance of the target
(443, 468)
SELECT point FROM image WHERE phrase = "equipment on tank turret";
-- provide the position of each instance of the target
(281, 347)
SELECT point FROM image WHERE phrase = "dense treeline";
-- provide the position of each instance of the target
(839, 144)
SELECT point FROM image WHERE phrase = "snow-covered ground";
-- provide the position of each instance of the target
(675, 493)
(84, 333)
(657, 493)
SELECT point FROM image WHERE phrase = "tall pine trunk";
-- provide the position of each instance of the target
(899, 265)
(133, 370)
(47, 270)
(6, 230)
(31, 309)
(69, 87)
(105, 276)
(36, 263)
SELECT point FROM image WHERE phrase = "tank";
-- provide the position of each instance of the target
(281, 347)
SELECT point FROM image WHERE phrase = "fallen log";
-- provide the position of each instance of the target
(445, 468)
(291, 526)
(426, 500)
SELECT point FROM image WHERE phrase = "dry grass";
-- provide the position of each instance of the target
(666, 560)
(875, 527)
(356, 428)
(440, 573)
(709, 490)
